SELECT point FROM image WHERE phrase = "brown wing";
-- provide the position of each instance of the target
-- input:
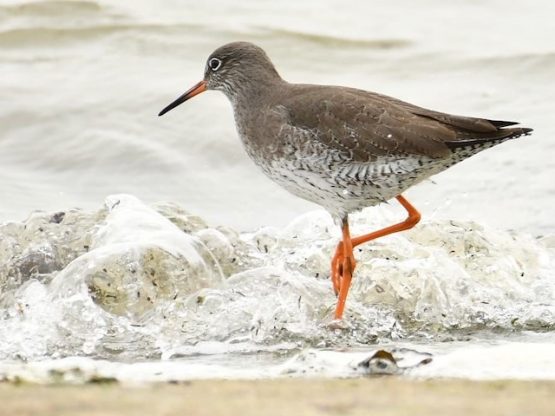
(366, 123)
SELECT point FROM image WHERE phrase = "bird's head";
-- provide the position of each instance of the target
(237, 68)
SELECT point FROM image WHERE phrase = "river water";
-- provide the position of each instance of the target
(115, 277)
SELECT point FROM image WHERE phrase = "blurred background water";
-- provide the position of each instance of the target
(132, 279)
(82, 81)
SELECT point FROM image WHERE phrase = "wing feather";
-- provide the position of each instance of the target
(366, 123)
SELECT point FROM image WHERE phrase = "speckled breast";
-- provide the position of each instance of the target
(300, 163)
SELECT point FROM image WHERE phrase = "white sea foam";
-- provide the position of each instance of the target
(158, 282)
(483, 360)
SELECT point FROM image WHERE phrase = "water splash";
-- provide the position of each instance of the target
(132, 282)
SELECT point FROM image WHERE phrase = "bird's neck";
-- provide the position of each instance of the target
(253, 93)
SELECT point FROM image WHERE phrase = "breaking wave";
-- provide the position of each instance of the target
(132, 282)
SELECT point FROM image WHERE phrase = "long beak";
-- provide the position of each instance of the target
(197, 89)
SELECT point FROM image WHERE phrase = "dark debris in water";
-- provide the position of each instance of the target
(58, 217)
(383, 362)
(102, 380)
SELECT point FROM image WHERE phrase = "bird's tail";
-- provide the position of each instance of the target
(491, 138)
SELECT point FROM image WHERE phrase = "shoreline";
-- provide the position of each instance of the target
(392, 396)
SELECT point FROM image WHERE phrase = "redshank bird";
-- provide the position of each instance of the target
(342, 148)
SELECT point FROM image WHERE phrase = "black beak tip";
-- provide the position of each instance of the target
(180, 100)
(197, 89)
(166, 109)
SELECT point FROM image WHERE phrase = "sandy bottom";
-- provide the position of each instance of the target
(383, 396)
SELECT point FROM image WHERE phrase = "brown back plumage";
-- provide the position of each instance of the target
(367, 123)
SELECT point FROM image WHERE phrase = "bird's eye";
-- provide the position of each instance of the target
(214, 64)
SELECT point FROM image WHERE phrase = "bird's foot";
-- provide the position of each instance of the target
(339, 325)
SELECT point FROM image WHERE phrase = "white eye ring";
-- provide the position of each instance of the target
(214, 64)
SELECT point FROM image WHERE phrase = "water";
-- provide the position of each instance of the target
(129, 283)
(82, 82)
(244, 290)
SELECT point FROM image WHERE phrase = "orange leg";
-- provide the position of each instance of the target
(343, 262)
(346, 264)
(337, 268)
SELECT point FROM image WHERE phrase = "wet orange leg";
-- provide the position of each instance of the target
(343, 262)
(336, 267)
(347, 267)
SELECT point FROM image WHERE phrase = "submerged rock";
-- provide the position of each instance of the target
(44, 244)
